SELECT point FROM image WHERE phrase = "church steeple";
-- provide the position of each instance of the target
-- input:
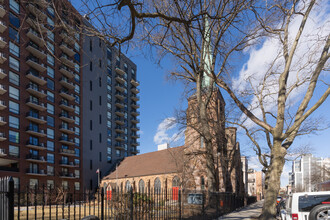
(206, 54)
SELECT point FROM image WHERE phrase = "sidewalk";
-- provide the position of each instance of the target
(249, 212)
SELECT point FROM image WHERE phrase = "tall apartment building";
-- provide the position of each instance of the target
(40, 95)
(308, 172)
(109, 109)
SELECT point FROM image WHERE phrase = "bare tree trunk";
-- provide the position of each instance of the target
(273, 183)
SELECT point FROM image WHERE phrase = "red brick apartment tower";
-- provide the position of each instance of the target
(40, 87)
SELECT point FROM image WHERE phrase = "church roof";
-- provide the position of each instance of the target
(153, 163)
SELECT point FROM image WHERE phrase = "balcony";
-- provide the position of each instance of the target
(119, 121)
(119, 87)
(35, 37)
(2, 58)
(35, 118)
(35, 50)
(119, 104)
(65, 94)
(66, 38)
(119, 112)
(2, 89)
(2, 105)
(36, 146)
(65, 48)
(120, 71)
(2, 74)
(135, 143)
(36, 11)
(135, 120)
(67, 118)
(65, 163)
(135, 113)
(119, 146)
(66, 140)
(66, 60)
(2, 152)
(36, 78)
(35, 158)
(34, 63)
(3, 42)
(135, 90)
(66, 72)
(2, 121)
(135, 82)
(2, 11)
(3, 26)
(119, 137)
(135, 105)
(35, 104)
(120, 79)
(135, 151)
(67, 175)
(41, 3)
(36, 172)
(66, 129)
(65, 82)
(67, 152)
(35, 131)
(120, 95)
(34, 90)
(66, 106)
(2, 136)
(34, 23)
(135, 135)
(135, 128)
(135, 97)
(119, 129)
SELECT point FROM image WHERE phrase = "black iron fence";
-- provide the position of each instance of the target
(61, 203)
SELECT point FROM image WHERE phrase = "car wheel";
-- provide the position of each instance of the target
(320, 212)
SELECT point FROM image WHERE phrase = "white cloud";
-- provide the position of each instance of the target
(261, 60)
(253, 163)
(162, 135)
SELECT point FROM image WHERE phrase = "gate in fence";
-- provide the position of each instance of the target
(7, 198)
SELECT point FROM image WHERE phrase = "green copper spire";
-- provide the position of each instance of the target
(207, 55)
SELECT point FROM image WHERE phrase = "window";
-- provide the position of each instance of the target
(50, 84)
(50, 72)
(90, 125)
(100, 137)
(76, 120)
(14, 5)
(100, 100)
(77, 109)
(65, 185)
(76, 186)
(50, 22)
(90, 164)
(50, 158)
(77, 173)
(50, 60)
(118, 153)
(91, 66)
(77, 131)
(77, 141)
(13, 122)
(141, 186)
(13, 93)
(202, 183)
(13, 151)
(91, 105)
(50, 133)
(14, 20)
(91, 144)
(109, 158)
(77, 57)
(13, 78)
(50, 170)
(13, 107)
(100, 63)
(90, 45)
(50, 145)
(157, 186)
(50, 121)
(50, 108)
(77, 99)
(100, 119)
(100, 42)
(13, 35)
(100, 156)
(33, 183)
(50, 35)
(16, 182)
(202, 142)
(13, 63)
(13, 49)
(90, 85)
(128, 186)
(77, 88)
(50, 96)
(50, 11)
(50, 183)
(77, 152)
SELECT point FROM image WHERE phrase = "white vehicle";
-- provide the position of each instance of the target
(307, 206)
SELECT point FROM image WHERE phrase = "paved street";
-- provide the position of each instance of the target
(250, 212)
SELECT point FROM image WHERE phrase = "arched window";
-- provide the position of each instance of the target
(128, 186)
(202, 183)
(176, 181)
(157, 186)
(141, 186)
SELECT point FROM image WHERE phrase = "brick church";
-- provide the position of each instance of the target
(184, 167)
